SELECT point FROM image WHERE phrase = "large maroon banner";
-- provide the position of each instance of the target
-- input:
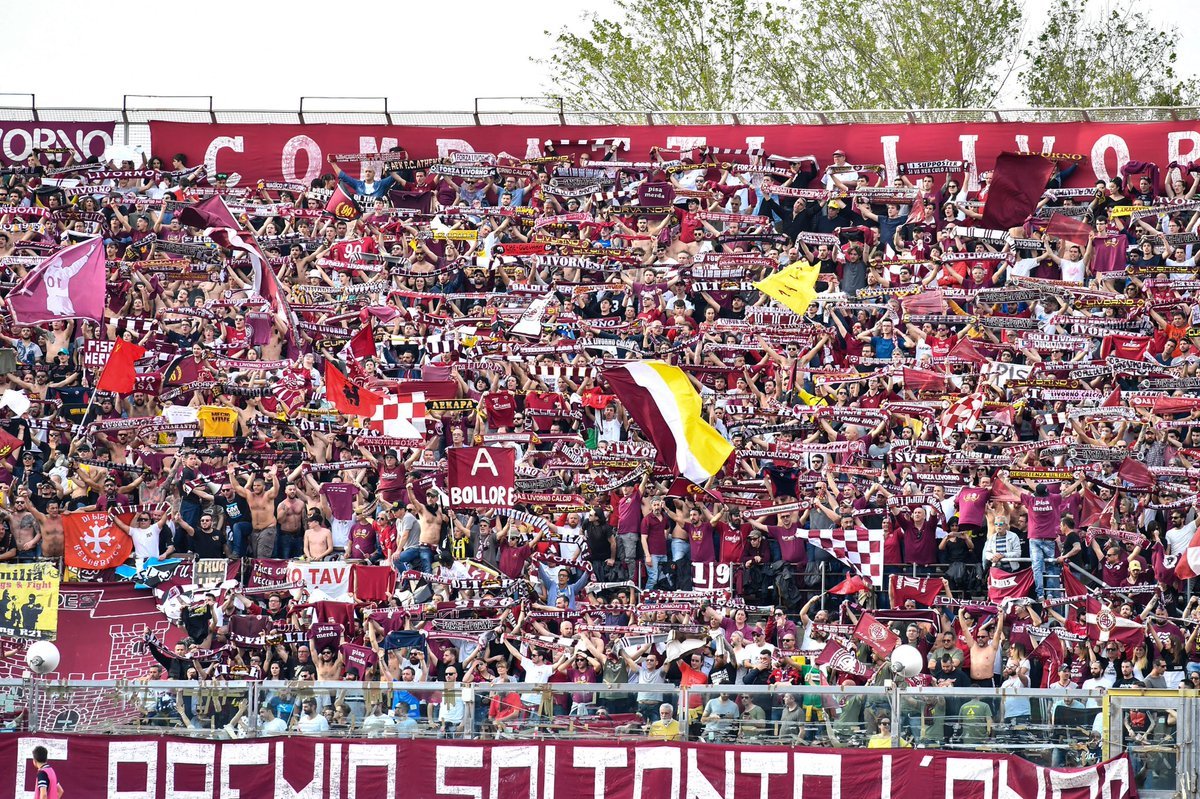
(110, 767)
(19, 139)
(297, 152)
(101, 632)
(481, 477)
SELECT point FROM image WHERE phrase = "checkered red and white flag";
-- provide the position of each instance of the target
(859, 548)
(962, 416)
(400, 416)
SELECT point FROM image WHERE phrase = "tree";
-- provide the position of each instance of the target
(1120, 59)
(902, 54)
(735, 55)
(672, 54)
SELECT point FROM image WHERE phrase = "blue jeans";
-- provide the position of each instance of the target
(422, 556)
(239, 537)
(1043, 552)
(289, 546)
(680, 548)
(655, 570)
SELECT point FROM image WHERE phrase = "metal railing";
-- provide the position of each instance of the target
(552, 110)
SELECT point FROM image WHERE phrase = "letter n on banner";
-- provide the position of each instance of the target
(481, 477)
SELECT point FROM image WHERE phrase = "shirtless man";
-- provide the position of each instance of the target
(25, 529)
(52, 528)
(262, 510)
(983, 653)
(318, 539)
(291, 543)
(431, 519)
(330, 665)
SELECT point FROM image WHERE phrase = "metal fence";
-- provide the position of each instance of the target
(1051, 727)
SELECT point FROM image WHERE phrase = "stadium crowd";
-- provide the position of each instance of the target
(982, 439)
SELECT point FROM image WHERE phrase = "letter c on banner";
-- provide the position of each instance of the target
(962, 770)
(1100, 149)
(287, 162)
(240, 754)
(235, 143)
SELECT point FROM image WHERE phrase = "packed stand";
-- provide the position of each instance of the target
(983, 439)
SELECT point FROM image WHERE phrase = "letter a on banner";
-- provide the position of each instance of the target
(481, 477)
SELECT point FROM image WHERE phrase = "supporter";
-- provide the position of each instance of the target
(666, 727)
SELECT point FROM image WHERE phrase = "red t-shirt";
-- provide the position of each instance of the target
(501, 408)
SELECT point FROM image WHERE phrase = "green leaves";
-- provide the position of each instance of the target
(737, 55)
(1120, 59)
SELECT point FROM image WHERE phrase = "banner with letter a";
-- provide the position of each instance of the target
(482, 477)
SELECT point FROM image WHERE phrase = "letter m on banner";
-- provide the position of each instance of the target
(481, 477)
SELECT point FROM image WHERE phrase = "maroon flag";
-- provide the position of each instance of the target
(1018, 182)
(1108, 254)
(209, 213)
(965, 349)
(70, 284)
(851, 585)
(1103, 624)
(1004, 585)
(481, 477)
(1052, 653)
(686, 489)
(342, 206)
(876, 635)
(839, 658)
(922, 590)
(1135, 472)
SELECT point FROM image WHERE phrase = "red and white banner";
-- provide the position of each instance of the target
(876, 635)
(481, 477)
(18, 140)
(296, 153)
(331, 579)
(106, 767)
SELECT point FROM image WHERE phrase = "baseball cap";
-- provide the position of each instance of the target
(839, 151)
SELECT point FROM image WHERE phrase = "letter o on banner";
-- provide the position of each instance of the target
(26, 146)
(287, 163)
(1100, 149)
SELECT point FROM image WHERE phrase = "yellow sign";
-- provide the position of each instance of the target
(29, 600)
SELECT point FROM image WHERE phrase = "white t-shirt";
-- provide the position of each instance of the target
(145, 541)
(317, 724)
(534, 673)
(1073, 271)
(275, 726)
(1178, 538)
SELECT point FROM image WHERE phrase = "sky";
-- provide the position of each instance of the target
(435, 75)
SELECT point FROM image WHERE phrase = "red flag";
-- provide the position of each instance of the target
(1069, 229)
(839, 658)
(686, 489)
(1018, 182)
(851, 585)
(1189, 560)
(118, 374)
(1131, 347)
(362, 344)
(9, 445)
(209, 213)
(342, 206)
(1072, 586)
(1113, 400)
(347, 397)
(933, 301)
(922, 379)
(91, 541)
(70, 284)
(876, 635)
